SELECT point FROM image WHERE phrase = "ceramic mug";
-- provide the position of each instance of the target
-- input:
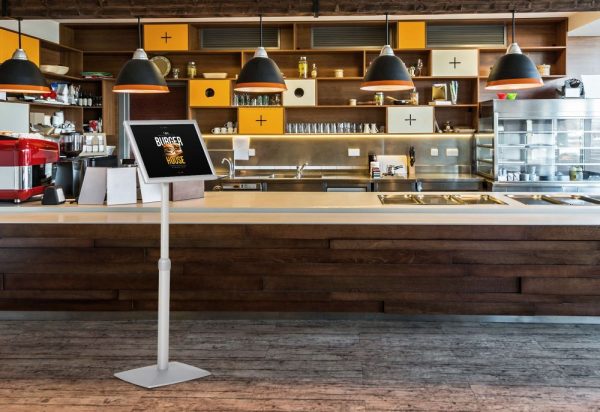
(223, 130)
(230, 130)
(216, 130)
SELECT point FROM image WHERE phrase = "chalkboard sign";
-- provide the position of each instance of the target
(169, 150)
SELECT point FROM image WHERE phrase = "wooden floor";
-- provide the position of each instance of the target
(304, 366)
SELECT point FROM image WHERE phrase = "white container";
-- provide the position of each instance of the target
(300, 93)
(455, 62)
(410, 119)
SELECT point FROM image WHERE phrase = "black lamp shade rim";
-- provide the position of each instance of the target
(140, 76)
(261, 75)
(22, 76)
(514, 71)
(387, 73)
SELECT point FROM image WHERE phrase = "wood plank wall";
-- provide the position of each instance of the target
(509, 270)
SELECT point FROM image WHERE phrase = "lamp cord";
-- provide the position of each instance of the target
(19, 25)
(387, 29)
(139, 32)
(514, 25)
(261, 30)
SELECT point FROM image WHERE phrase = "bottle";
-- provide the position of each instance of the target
(414, 97)
(313, 72)
(191, 70)
(302, 68)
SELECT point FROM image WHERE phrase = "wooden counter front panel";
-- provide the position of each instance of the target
(487, 270)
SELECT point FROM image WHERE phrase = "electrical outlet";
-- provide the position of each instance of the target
(251, 152)
(452, 152)
(435, 151)
(353, 152)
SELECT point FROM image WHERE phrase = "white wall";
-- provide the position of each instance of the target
(44, 29)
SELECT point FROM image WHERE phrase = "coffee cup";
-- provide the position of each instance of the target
(230, 130)
(216, 130)
(223, 130)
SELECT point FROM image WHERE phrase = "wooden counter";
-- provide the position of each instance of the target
(265, 254)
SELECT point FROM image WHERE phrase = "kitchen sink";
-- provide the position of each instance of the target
(564, 200)
(445, 200)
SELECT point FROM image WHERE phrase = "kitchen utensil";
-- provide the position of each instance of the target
(163, 64)
(511, 96)
(54, 69)
(214, 75)
(501, 96)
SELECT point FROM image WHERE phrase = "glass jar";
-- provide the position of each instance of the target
(379, 98)
(414, 97)
(313, 72)
(191, 70)
(303, 68)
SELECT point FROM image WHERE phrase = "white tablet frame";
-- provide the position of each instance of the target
(140, 161)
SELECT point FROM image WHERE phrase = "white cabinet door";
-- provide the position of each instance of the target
(410, 119)
(300, 93)
(454, 63)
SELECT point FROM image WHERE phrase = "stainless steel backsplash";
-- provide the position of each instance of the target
(287, 151)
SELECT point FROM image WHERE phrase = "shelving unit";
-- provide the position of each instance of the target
(106, 47)
(546, 139)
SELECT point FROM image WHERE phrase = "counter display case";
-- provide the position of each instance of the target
(540, 143)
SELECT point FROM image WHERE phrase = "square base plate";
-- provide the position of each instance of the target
(151, 377)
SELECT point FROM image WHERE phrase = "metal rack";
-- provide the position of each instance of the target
(540, 144)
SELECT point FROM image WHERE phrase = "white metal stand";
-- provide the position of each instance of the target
(164, 372)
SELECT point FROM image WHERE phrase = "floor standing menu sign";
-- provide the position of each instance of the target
(166, 151)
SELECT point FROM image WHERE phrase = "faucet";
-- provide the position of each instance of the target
(231, 164)
(300, 170)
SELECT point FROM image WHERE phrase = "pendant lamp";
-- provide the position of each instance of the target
(260, 74)
(514, 70)
(387, 72)
(19, 75)
(140, 75)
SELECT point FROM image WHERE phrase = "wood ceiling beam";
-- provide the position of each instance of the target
(96, 9)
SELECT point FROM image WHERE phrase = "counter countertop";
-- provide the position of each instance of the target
(305, 208)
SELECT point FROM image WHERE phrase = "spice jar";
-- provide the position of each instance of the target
(303, 68)
(379, 98)
(414, 97)
(313, 72)
(191, 70)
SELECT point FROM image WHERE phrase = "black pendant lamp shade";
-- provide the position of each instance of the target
(140, 75)
(514, 70)
(260, 74)
(19, 75)
(387, 72)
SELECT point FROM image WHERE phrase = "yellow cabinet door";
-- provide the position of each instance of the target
(260, 120)
(210, 93)
(166, 37)
(411, 35)
(9, 41)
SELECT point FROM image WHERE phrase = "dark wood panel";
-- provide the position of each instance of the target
(571, 286)
(169, 106)
(370, 268)
(464, 245)
(301, 255)
(407, 284)
(466, 308)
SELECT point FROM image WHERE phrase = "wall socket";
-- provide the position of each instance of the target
(452, 152)
(435, 151)
(353, 152)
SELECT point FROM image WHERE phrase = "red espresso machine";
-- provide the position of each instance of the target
(25, 166)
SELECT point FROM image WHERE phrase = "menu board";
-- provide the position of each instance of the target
(168, 151)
